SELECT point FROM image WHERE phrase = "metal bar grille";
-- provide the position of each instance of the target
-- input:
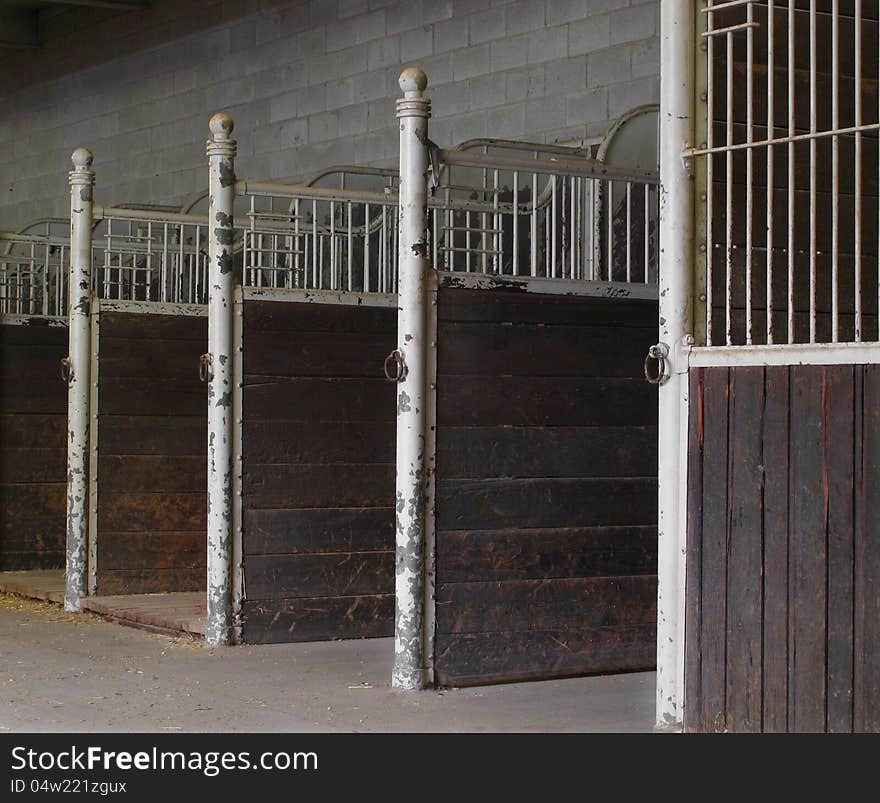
(789, 242)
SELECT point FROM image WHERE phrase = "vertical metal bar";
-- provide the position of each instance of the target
(314, 244)
(629, 231)
(750, 163)
(675, 292)
(221, 285)
(413, 111)
(497, 245)
(709, 244)
(553, 238)
(647, 235)
(609, 230)
(534, 223)
(771, 134)
(82, 180)
(792, 16)
(835, 171)
(857, 290)
(515, 223)
(349, 258)
(814, 166)
(333, 271)
(591, 223)
(572, 229)
(367, 248)
(728, 198)
(163, 283)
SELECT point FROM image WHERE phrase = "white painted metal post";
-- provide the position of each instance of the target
(220, 377)
(676, 244)
(82, 180)
(413, 111)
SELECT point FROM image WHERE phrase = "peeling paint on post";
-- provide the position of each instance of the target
(676, 242)
(413, 111)
(221, 286)
(82, 180)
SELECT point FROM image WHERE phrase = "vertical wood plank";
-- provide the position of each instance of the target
(775, 575)
(807, 554)
(713, 594)
(866, 707)
(693, 612)
(839, 448)
(744, 551)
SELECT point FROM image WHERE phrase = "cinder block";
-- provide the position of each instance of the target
(548, 44)
(353, 120)
(471, 61)
(633, 24)
(508, 54)
(451, 35)
(586, 107)
(589, 35)
(560, 11)
(627, 96)
(487, 25)
(383, 53)
(543, 114)
(287, 134)
(370, 26)
(526, 15)
(311, 99)
(568, 75)
(369, 86)
(469, 126)
(340, 34)
(609, 66)
(416, 44)
(525, 83)
(405, 15)
(323, 127)
(646, 58)
(508, 122)
(449, 100)
(339, 93)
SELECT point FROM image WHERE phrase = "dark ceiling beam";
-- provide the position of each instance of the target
(18, 28)
(122, 5)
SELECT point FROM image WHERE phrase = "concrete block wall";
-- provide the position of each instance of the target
(310, 84)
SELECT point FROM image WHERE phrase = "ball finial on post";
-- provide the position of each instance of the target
(82, 158)
(221, 126)
(413, 81)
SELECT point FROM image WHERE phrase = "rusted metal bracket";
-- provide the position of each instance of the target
(206, 372)
(395, 358)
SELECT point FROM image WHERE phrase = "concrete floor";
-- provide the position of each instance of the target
(60, 672)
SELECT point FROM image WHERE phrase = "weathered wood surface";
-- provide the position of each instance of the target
(782, 578)
(152, 454)
(33, 452)
(546, 487)
(318, 472)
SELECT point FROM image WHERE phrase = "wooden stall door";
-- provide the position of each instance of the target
(546, 490)
(318, 471)
(152, 454)
(33, 446)
(783, 587)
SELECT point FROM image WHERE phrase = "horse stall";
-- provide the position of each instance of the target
(541, 548)
(315, 321)
(546, 482)
(148, 431)
(33, 409)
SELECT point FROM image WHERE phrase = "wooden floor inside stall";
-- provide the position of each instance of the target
(172, 614)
